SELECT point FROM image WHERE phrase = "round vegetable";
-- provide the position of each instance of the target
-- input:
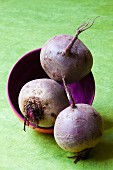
(40, 101)
(78, 128)
(66, 55)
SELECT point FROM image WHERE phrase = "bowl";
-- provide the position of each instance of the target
(28, 68)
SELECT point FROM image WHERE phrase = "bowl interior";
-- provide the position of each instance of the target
(29, 68)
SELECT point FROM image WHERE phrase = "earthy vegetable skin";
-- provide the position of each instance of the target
(66, 55)
(40, 101)
(74, 65)
(78, 128)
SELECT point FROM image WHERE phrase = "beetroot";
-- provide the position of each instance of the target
(66, 55)
(40, 101)
(78, 128)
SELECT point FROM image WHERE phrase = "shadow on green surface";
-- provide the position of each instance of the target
(107, 123)
(44, 136)
(104, 150)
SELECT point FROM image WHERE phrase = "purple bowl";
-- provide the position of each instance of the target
(28, 68)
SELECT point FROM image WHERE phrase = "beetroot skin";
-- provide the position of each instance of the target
(79, 128)
(66, 55)
(73, 64)
(40, 101)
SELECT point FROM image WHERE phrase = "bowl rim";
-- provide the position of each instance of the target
(39, 129)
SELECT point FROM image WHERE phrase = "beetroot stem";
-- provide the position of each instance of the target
(68, 92)
(83, 27)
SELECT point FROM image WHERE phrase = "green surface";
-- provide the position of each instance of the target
(26, 25)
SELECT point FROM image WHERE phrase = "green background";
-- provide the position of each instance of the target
(26, 25)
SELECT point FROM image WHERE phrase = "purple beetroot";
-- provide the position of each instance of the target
(78, 128)
(40, 101)
(66, 55)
